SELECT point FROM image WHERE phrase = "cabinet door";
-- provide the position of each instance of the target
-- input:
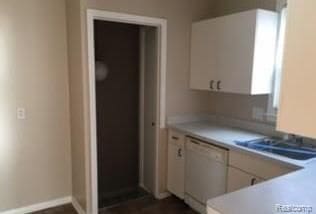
(257, 166)
(235, 51)
(297, 112)
(238, 179)
(203, 67)
(176, 164)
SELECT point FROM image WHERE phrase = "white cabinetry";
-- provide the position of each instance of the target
(234, 53)
(246, 170)
(176, 163)
(238, 179)
(297, 112)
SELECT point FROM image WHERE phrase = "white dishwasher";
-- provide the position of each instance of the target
(205, 173)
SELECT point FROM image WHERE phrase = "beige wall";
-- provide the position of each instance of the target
(180, 99)
(224, 7)
(234, 105)
(179, 14)
(239, 106)
(34, 153)
(78, 136)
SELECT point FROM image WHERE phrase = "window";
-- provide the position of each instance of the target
(275, 96)
(279, 58)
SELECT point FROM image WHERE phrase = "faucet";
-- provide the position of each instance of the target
(295, 138)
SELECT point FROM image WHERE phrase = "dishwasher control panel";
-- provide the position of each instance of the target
(206, 149)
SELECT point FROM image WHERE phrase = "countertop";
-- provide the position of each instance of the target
(296, 188)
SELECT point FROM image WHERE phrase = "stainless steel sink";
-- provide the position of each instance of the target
(286, 148)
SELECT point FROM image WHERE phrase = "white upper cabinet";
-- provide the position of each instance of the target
(234, 53)
(297, 110)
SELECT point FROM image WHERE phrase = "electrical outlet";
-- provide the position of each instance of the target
(21, 113)
(258, 113)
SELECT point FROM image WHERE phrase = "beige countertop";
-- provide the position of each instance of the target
(296, 188)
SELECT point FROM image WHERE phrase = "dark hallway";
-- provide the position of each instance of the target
(117, 52)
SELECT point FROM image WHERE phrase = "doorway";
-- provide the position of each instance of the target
(117, 57)
(126, 70)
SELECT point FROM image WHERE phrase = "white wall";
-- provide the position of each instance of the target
(34, 153)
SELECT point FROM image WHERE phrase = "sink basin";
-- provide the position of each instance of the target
(280, 147)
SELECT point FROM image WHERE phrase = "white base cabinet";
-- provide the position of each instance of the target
(247, 170)
(176, 162)
(238, 179)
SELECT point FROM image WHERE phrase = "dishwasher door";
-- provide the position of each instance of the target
(205, 170)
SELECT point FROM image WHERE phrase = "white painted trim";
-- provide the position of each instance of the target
(211, 210)
(271, 114)
(143, 186)
(92, 198)
(163, 73)
(161, 24)
(77, 206)
(163, 195)
(40, 206)
(125, 18)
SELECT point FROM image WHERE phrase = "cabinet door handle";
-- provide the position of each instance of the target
(211, 84)
(253, 181)
(180, 153)
(219, 85)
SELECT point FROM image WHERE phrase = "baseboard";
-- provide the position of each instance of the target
(77, 206)
(143, 186)
(40, 206)
(212, 211)
(163, 195)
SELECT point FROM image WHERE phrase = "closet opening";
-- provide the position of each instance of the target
(125, 100)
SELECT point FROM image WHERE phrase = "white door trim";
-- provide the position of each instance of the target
(161, 24)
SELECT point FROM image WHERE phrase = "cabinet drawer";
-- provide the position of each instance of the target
(175, 137)
(262, 168)
(238, 179)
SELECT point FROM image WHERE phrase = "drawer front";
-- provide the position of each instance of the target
(176, 138)
(238, 179)
(262, 168)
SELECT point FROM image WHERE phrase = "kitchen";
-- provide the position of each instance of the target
(214, 115)
(224, 164)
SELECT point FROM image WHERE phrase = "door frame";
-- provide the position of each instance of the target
(161, 25)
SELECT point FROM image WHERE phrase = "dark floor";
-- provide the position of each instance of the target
(122, 196)
(67, 209)
(149, 205)
(146, 205)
